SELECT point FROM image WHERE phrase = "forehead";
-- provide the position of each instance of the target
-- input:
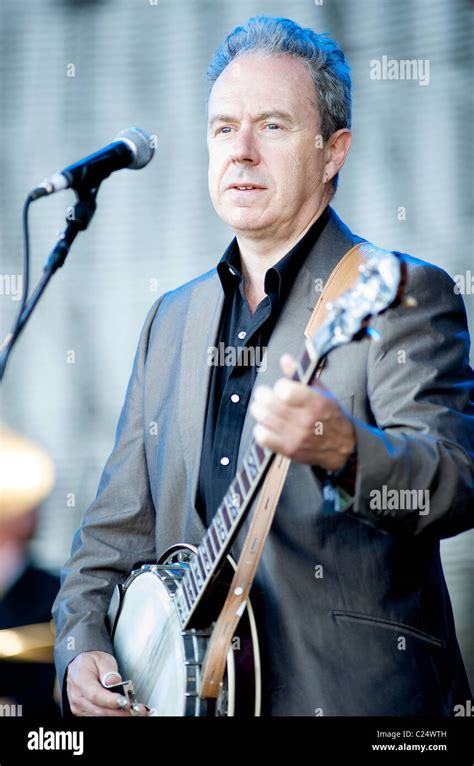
(254, 81)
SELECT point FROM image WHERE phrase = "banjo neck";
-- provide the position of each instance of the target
(227, 520)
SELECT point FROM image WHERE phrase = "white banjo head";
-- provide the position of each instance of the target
(164, 660)
(148, 645)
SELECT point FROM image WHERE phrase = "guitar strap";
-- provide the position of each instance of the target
(343, 276)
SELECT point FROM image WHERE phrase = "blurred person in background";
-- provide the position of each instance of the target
(27, 591)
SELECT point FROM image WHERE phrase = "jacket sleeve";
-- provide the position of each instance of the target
(116, 532)
(415, 464)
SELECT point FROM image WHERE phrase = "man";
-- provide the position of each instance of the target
(373, 632)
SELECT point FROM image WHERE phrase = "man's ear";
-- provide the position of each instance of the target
(336, 149)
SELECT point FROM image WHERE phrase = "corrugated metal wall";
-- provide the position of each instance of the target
(137, 62)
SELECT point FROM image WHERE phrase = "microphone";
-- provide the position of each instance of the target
(131, 149)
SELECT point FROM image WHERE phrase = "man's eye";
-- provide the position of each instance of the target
(224, 127)
(272, 125)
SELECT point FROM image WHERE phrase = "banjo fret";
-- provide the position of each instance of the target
(196, 574)
(186, 595)
(215, 541)
(251, 467)
(221, 529)
(231, 509)
(209, 547)
(260, 453)
(244, 480)
(201, 563)
(214, 537)
(190, 575)
(203, 553)
(183, 611)
(239, 489)
(225, 516)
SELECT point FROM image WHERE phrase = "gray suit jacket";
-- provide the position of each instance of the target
(373, 632)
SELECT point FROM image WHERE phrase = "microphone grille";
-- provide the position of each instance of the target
(142, 148)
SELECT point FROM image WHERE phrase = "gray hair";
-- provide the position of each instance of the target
(324, 59)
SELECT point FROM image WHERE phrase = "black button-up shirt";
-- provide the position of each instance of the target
(241, 342)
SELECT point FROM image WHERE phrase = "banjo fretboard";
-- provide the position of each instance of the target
(231, 512)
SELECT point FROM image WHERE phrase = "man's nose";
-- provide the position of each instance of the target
(244, 148)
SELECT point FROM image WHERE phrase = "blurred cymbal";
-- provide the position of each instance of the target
(26, 474)
(28, 643)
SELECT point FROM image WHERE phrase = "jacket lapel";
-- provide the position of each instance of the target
(204, 311)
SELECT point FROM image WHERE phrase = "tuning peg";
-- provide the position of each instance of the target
(409, 302)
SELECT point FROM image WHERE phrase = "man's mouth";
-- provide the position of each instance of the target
(245, 187)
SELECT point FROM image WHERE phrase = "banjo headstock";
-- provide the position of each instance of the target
(379, 286)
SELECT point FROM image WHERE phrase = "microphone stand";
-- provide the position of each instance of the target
(84, 210)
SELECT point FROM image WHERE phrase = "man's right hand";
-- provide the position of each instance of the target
(86, 694)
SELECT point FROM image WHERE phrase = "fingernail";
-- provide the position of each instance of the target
(106, 676)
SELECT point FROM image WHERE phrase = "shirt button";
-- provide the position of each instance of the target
(242, 334)
(235, 398)
(224, 461)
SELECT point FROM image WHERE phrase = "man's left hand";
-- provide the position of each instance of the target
(305, 423)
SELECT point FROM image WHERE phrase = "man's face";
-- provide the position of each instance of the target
(262, 127)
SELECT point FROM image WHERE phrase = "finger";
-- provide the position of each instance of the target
(84, 707)
(109, 675)
(102, 698)
(265, 397)
(292, 393)
(310, 407)
(268, 439)
(272, 412)
(268, 417)
(111, 678)
(107, 668)
(285, 393)
(288, 365)
(87, 686)
(138, 709)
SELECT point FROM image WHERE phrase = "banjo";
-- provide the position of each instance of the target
(162, 617)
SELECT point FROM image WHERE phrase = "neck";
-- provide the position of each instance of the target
(259, 255)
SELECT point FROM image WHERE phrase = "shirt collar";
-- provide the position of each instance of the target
(280, 277)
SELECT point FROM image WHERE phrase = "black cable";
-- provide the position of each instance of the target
(26, 253)
(26, 283)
